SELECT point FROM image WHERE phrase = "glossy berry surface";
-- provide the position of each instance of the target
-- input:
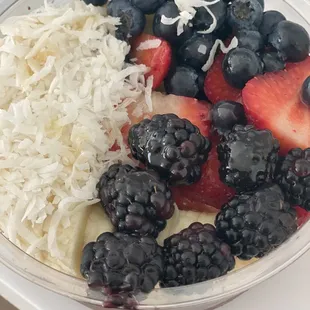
(96, 2)
(254, 224)
(122, 263)
(248, 157)
(293, 176)
(136, 201)
(270, 20)
(272, 62)
(195, 51)
(182, 81)
(132, 19)
(240, 65)
(195, 255)
(305, 92)
(250, 39)
(290, 40)
(149, 6)
(172, 146)
(226, 114)
(245, 14)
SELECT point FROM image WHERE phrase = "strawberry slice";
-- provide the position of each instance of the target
(216, 88)
(272, 101)
(302, 215)
(157, 59)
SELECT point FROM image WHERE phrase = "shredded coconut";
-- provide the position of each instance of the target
(149, 44)
(64, 92)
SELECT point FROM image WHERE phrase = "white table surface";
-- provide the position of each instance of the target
(288, 290)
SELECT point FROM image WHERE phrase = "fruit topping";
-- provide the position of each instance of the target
(195, 255)
(245, 14)
(215, 86)
(273, 101)
(172, 146)
(153, 52)
(290, 40)
(226, 114)
(248, 157)
(302, 215)
(293, 176)
(254, 224)
(132, 19)
(122, 263)
(96, 2)
(136, 201)
(305, 92)
(262, 3)
(250, 39)
(147, 7)
(240, 65)
(272, 62)
(270, 20)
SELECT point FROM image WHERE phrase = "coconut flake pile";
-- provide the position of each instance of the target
(64, 90)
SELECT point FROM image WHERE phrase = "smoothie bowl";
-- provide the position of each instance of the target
(154, 154)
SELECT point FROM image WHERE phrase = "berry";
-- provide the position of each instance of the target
(132, 19)
(226, 114)
(182, 81)
(157, 59)
(302, 216)
(195, 51)
(273, 101)
(169, 32)
(305, 92)
(290, 40)
(270, 20)
(248, 157)
(215, 86)
(245, 14)
(195, 255)
(250, 39)
(122, 263)
(262, 3)
(272, 63)
(203, 20)
(255, 224)
(170, 145)
(135, 200)
(96, 2)
(147, 7)
(240, 65)
(293, 176)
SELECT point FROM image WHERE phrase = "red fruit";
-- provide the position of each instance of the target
(272, 101)
(216, 88)
(302, 216)
(157, 59)
(208, 191)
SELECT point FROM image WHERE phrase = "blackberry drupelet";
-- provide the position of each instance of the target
(293, 176)
(195, 255)
(172, 146)
(122, 263)
(255, 224)
(248, 157)
(135, 200)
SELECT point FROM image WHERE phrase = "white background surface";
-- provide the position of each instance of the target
(288, 290)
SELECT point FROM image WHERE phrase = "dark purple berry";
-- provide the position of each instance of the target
(305, 92)
(149, 6)
(272, 62)
(250, 39)
(270, 20)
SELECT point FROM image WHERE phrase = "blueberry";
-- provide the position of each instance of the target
(182, 81)
(132, 19)
(96, 2)
(149, 6)
(262, 3)
(245, 14)
(240, 65)
(169, 32)
(272, 62)
(203, 20)
(195, 51)
(250, 39)
(226, 114)
(305, 91)
(270, 20)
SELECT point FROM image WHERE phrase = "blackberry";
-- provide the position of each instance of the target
(293, 176)
(248, 157)
(122, 263)
(255, 224)
(135, 200)
(172, 146)
(195, 255)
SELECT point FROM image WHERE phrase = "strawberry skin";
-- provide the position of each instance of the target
(158, 59)
(273, 101)
(302, 215)
(215, 86)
